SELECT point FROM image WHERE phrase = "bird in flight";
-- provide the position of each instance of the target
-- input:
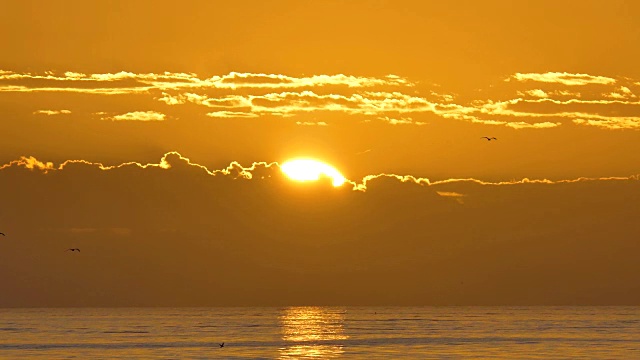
(74, 249)
(3, 234)
(489, 138)
(221, 345)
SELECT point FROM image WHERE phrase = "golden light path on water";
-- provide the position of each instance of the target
(312, 332)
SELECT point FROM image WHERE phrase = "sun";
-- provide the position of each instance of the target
(311, 170)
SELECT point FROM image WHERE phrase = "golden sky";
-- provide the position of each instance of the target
(152, 136)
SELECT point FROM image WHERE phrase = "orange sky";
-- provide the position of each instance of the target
(393, 94)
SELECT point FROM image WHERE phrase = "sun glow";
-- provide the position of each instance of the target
(311, 170)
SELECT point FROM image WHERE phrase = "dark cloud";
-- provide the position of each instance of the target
(183, 237)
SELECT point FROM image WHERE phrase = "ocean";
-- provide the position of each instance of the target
(322, 333)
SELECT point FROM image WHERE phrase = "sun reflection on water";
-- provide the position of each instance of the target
(312, 332)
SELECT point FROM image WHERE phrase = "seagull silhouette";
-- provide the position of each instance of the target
(74, 249)
(221, 345)
(3, 234)
(488, 138)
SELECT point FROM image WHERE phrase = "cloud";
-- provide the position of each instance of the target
(610, 123)
(372, 103)
(171, 100)
(443, 97)
(291, 103)
(565, 93)
(537, 93)
(452, 194)
(503, 108)
(381, 103)
(363, 184)
(625, 90)
(449, 194)
(231, 114)
(51, 112)
(138, 116)
(236, 80)
(622, 93)
(233, 168)
(524, 125)
(95, 91)
(128, 82)
(239, 171)
(188, 217)
(569, 102)
(614, 95)
(563, 78)
(311, 123)
(401, 121)
(367, 103)
(254, 95)
(30, 163)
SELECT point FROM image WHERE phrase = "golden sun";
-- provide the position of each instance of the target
(311, 170)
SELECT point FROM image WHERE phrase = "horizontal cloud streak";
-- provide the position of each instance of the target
(503, 108)
(178, 81)
(231, 114)
(51, 112)
(311, 123)
(564, 78)
(401, 121)
(138, 116)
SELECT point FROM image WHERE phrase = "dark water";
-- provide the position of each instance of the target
(322, 332)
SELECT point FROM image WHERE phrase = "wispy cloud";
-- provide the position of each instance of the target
(138, 116)
(401, 121)
(540, 125)
(536, 93)
(443, 97)
(385, 103)
(449, 194)
(563, 93)
(367, 103)
(622, 92)
(457, 196)
(504, 108)
(236, 80)
(129, 82)
(51, 112)
(610, 123)
(232, 114)
(392, 99)
(311, 123)
(564, 78)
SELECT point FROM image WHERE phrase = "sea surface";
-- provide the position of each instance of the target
(322, 333)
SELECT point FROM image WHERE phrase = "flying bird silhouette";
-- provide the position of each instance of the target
(489, 138)
(74, 249)
(3, 234)
(221, 345)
